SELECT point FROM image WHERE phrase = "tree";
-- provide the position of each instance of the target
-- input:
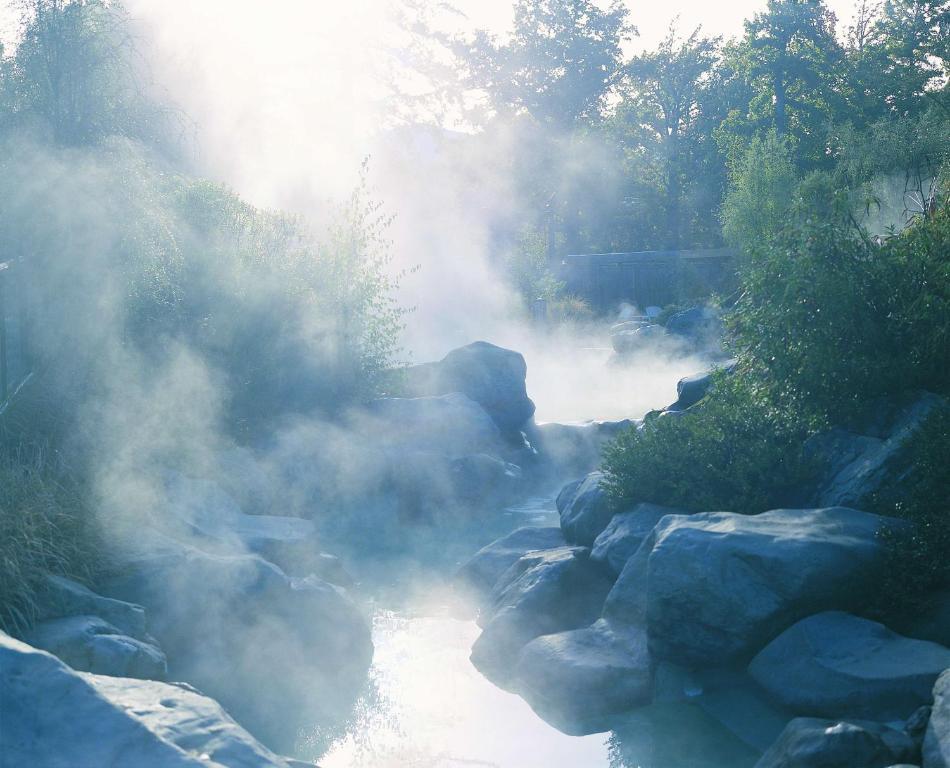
(662, 104)
(793, 54)
(561, 61)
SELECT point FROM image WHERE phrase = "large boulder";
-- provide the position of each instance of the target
(452, 425)
(233, 625)
(574, 448)
(59, 597)
(486, 566)
(857, 466)
(54, 717)
(834, 664)
(624, 534)
(577, 679)
(205, 512)
(491, 376)
(715, 587)
(542, 593)
(810, 743)
(937, 738)
(483, 478)
(89, 644)
(584, 509)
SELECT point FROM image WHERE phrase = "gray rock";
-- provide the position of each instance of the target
(626, 341)
(585, 510)
(54, 717)
(89, 644)
(717, 586)
(234, 624)
(574, 448)
(487, 565)
(491, 376)
(874, 463)
(542, 593)
(834, 664)
(937, 738)
(481, 477)
(690, 390)
(208, 514)
(452, 425)
(811, 743)
(625, 532)
(60, 597)
(576, 679)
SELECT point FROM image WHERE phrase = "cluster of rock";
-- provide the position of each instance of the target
(275, 647)
(696, 327)
(756, 618)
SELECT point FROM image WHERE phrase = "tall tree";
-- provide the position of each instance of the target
(662, 101)
(793, 52)
(562, 59)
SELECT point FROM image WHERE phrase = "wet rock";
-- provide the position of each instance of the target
(234, 624)
(486, 566)
(55, 717)
(937, 738)
(834, 664)
(859, 465)
(624, 534)
(542, 593)
(717, 586)
(584, 509)
(207, 514)
(577, 678)
(574, 448)
(482, 478)
(452, 425)
(811, 743)
(491, 376)
(89, 644)
(630, 340)
(60, 597)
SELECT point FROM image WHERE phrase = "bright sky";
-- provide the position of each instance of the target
(652, 18)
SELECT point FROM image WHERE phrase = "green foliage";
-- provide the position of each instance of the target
(834, 320)
(45, 526)
(558, 65)
(917, 563)
(757, 205)
(76, 70)
(733, 451)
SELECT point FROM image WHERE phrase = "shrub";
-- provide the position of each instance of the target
(732, 451)
(835, 320)
(917, 562)
(45, 525)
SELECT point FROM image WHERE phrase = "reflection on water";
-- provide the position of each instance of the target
(433, 709)
(430, 708)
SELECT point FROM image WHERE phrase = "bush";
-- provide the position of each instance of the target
(834, 320)
(45, 524)
(732, 451)
(917, 561)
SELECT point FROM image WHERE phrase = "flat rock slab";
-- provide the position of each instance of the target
(715, 587)
(811, 743)
(576, 679)
(89, 644)
(55, 717)
(834, 664)
(543, 593)
(625, 533)
(486, 566)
